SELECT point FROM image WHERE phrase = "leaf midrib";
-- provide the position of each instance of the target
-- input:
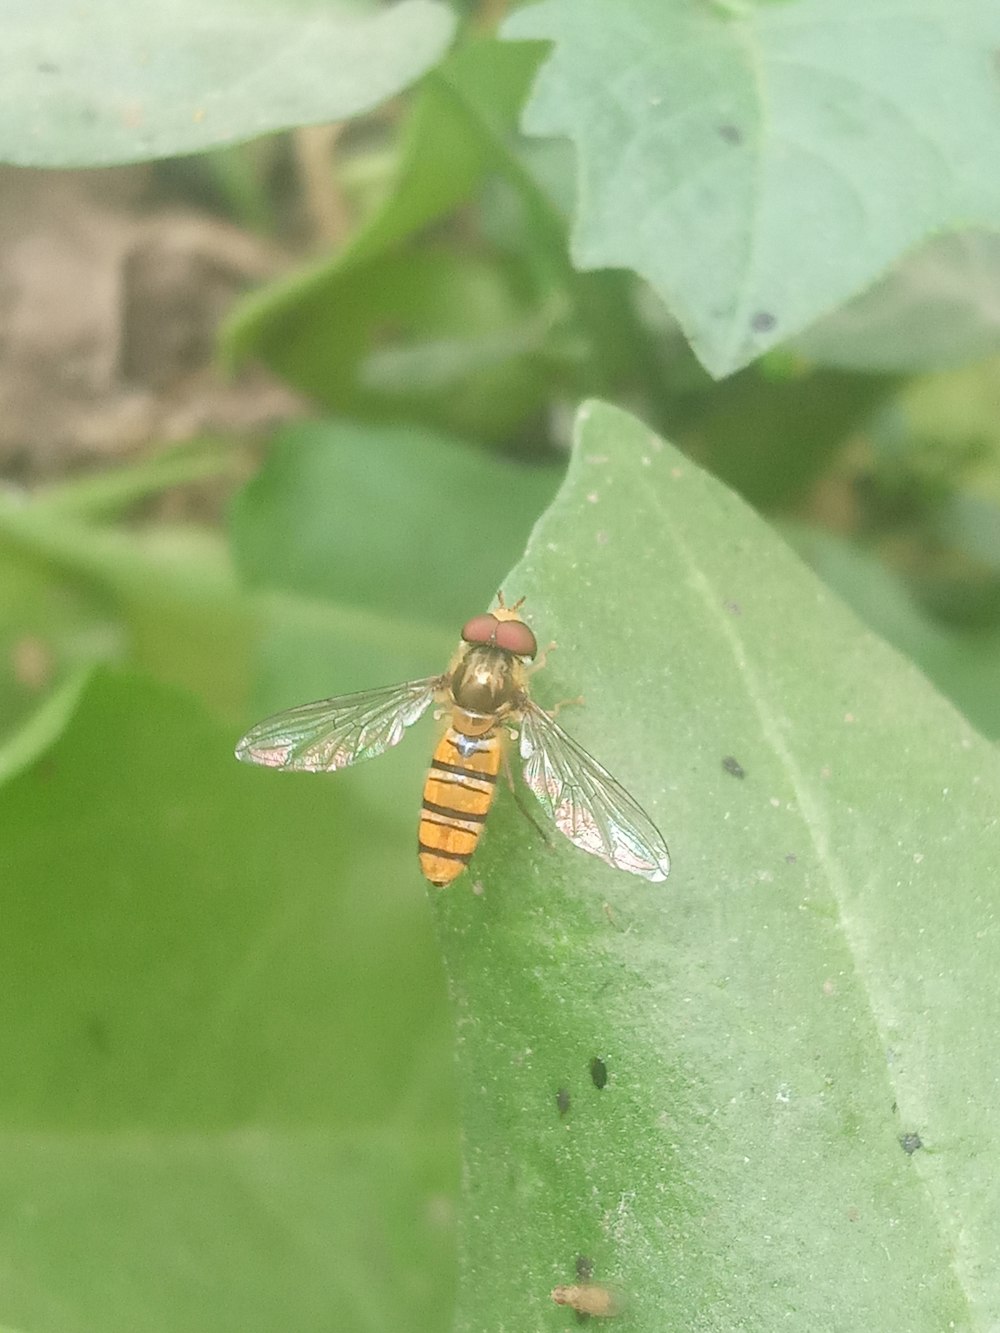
(811, 812)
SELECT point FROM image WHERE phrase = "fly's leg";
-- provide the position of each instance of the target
(540, 660)
(565, 703)
(537, 665)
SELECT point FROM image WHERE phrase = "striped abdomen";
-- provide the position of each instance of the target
(457, 797)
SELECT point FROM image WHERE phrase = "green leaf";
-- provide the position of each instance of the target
(52, 632)
(467, 316)
(797, 1027)
(112, 491)
(761, 163)
(32, 734)
(937, 309)
(164, 599)
(227, 1098)
(398, 522)
(965, 666)
(105, 83)
(389, 332)
(772, 437)
(442, 160)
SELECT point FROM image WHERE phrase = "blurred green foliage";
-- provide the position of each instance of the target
(230, 1099)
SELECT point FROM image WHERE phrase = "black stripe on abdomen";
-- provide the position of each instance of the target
(451, 813)
(464, 857)
(463, 771)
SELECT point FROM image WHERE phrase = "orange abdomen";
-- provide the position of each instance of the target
(457, 796)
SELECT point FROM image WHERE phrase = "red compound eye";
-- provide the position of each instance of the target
(480, 629)
(515, 637)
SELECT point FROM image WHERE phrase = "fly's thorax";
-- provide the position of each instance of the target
(487, 682)
(473, 724)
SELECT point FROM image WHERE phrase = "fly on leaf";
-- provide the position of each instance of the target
(486, 693)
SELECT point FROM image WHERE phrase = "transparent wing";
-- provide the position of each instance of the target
(332, 733)
(585, 802)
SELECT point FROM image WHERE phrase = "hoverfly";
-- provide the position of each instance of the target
(485, 690)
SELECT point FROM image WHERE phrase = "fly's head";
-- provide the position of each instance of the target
(488, 677)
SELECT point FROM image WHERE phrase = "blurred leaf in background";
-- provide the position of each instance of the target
(199, 1129)
(724, 132)
(112, 84)
(938, 308)
(277, 1149)
(401, 522)
(390, 329)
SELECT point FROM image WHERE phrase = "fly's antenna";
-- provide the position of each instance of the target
(502, 605)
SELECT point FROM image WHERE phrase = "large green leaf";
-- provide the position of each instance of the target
(798, 1028)
(761, 163)
(226, 1100)
(106, 82)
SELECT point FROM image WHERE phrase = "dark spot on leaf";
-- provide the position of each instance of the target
(734, 766)
(584, 1267)
(97, 1033)
(734, 608)
(910, 1143)
(791, 858)
(387, 331)
(763, 321)
(598, 1072)
(47, 67)
(730, 133)
(562, 1100)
